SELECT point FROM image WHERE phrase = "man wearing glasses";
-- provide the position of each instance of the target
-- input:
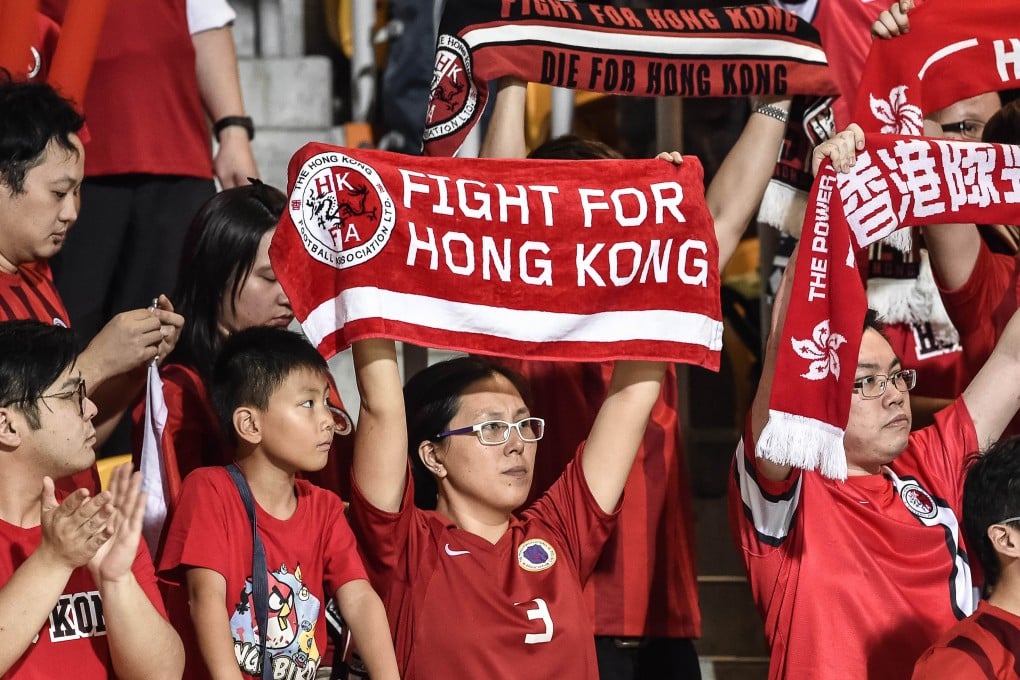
(856, 578)
(77, 592)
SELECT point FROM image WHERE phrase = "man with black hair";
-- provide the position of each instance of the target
(984, 644)
(76, 588)
(41, 169)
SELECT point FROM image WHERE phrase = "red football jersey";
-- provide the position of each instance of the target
(30, 294)
(462, 607)
(984, 645)
(645, 583)
(855, 579)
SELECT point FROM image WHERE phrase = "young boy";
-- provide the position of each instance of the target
(269, 391)
(984, 645)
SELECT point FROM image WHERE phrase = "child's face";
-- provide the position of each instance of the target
(297, 425)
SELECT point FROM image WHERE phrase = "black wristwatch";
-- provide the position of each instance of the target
(240, 121)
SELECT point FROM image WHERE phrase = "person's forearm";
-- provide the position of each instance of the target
(113, 397)
(26, 601)
(953, 250)
(137, 634)
(216, 67)
(366, 616)
(504, 136)
(380, 440)
(737, 188)
(619, 428)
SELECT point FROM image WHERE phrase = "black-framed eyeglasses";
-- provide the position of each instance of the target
(77, 393)
(967, 128)
(496, 432)
(874, 386)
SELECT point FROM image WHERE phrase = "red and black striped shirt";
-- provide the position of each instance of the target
(984, 645)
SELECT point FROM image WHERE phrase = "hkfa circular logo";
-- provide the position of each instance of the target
(918, 501)
(454, 99)
(341, 209)
(536, 555)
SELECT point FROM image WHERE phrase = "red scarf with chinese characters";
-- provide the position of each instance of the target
(571, 260)
(897, 181)
(726, 52)
(954, 50)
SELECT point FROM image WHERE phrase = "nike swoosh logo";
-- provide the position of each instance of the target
(454, 553)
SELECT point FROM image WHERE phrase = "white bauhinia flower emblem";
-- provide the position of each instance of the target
(820, 349)
(898, 117)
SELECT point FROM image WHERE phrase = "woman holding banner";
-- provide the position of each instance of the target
(510, 585)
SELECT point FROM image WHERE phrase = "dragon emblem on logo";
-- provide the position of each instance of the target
(342, 209)
(454, 99)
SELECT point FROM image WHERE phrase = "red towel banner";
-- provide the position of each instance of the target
(719, 52)
(561, 260)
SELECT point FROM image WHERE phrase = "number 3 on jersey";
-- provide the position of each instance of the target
(539, 611)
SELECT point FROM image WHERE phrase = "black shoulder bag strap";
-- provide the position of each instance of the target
(259, 578)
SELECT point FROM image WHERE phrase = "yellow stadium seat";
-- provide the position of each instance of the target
(106, 465)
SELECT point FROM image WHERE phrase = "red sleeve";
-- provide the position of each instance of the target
(570, 509)
(384, 536)
(762, 511)
(937, 453)
(199, 528)
(341, 563)
(946, 663)
(990, 286)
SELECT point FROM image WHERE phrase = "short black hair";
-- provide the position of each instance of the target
(991, 493)
(574, 148)
(32, 356)
(432, 399)
(31, 116)
(872, 321)
(252, 365)
(1004, 125)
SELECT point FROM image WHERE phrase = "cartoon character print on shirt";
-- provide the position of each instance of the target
(290, 628)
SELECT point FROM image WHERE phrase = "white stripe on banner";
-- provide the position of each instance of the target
(665, 325)
(664, 46)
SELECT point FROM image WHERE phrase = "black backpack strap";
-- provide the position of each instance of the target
(259, 572)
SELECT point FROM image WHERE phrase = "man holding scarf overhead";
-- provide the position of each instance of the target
(856, 577)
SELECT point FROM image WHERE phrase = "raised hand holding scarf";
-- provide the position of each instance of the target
(897, 181)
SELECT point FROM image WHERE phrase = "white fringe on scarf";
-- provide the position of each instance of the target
(790, 439)
(913, 301)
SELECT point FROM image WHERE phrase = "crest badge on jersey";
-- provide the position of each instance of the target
(536, 555)
(918, 501)
(342, 210)
(454, 93)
